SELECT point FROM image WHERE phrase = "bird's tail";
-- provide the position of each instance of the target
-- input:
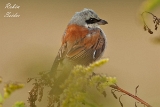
(53, 70)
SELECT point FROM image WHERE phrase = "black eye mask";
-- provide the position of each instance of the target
(92, 20)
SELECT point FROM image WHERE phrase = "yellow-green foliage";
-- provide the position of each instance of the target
(82, 85)
(149, 5)
(8, 90)
(19, 104)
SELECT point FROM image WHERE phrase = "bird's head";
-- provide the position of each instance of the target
(87, 18)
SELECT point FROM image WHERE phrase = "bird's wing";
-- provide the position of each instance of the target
(87, 49)
(81, 46)
(71, 35)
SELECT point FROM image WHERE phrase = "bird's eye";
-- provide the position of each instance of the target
(92, 20)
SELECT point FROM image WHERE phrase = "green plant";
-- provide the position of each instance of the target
(83, 88)
(9, 88)
(149, 5)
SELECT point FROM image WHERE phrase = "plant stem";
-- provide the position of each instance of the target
(129, 94)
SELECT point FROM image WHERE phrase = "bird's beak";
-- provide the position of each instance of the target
(102, 22)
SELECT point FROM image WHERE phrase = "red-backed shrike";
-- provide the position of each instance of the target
(82, 43)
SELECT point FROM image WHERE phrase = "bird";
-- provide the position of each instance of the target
(83, 43)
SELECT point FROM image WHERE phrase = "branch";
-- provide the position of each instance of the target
(131, 95)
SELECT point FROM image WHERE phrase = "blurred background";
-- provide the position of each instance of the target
(29, 44)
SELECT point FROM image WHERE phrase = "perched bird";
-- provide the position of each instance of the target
(82, 43)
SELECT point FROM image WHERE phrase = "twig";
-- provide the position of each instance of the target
(156, 21)
(131, 95)
(136, 90)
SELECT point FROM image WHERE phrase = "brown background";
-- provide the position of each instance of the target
(29, 44)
